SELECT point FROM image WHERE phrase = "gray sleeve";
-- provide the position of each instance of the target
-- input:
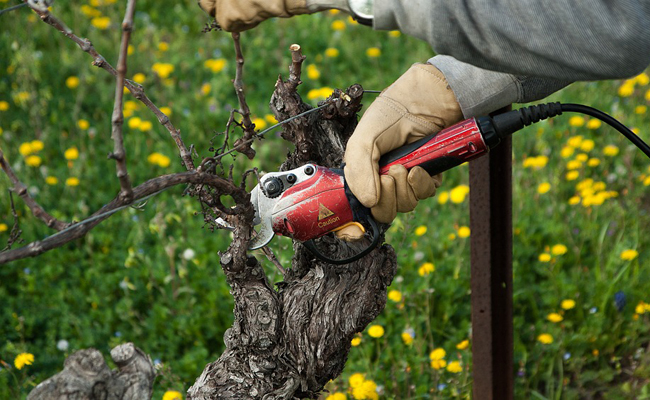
(480, 92)
(561, 39)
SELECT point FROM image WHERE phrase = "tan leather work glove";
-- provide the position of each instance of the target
(240, 15)
(420, 103)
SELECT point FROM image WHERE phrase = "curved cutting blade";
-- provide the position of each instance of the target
(263, 230)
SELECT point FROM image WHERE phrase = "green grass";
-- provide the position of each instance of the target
(133, 279)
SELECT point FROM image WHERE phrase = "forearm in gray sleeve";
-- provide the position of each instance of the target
(561, 39)
(480, 92)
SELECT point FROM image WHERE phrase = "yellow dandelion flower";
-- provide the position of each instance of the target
(595, 352)
(172, 395)
(438, 364)
(206, 88)
(426, 269)
(593, 162)
(260, 123)
(334, 11)
(573, 164)
(576, 121)
(337, 395)
(83, 124)
(587, 145)
(331, 52)
(23, 359)
(610, 150)
(626, 89)
(145, 126)
(437, 354)
(139, 78)
(567, 151)
(338, 25)
(568, 304)
(163, 70)
(356, 379)
(544, 257)
(641, 308)
(559, 249)
(158, 159)
(71, 154)
(376, 331)
(395, 34)
(130, 50)
(101, 22)
(352, 20)
(4, 106)
(72, 82)
(575, 141)
(543, 188)
(463, 345)
(355, 341)
(594, 123)
(134, 123)
(25, 149)
(37, 145)
(163, 46)
(33, 161)
(463, 232)
(373, 52)
(629, 254)
(582, 157)
(454, 367)
(312, 72)
(574, 200)
(395, 296)
(443, 197)
(166, 110)
(572, 175)
(215, 65)
(89, 11)
(642, 79)
(646, 181)
(458, 194)
(647, 95)
(554, 317)
(545, 338)
(51, 180)
(407, 338)
(270, 118)
(420, 230)
(640, 109)
(4, 228)
(72, 182)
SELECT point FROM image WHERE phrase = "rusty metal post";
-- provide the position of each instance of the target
(491, 273)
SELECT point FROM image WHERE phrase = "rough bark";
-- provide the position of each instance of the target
(86, 376)
(289, 343)
(286, 342)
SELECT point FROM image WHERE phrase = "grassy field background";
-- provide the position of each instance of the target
(151, 275)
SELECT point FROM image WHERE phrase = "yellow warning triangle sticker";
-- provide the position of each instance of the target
(323, 212)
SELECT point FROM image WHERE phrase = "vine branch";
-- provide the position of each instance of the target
(119, 153)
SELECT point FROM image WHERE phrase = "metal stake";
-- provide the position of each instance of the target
(491, 273)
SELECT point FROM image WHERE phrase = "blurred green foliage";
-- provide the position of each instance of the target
(151, 275)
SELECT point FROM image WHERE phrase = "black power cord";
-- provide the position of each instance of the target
(505, 124)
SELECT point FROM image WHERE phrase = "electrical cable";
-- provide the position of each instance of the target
(608, 119)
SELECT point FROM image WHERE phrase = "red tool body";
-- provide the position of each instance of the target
(322, 203)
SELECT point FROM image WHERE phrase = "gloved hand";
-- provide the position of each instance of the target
(240, 15)
(420, 103)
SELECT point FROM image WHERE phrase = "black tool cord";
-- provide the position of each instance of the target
(631, 136)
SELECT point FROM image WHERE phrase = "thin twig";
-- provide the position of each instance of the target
(295, 70)
(271, 257)
(119, 153)
(140, 192)
(14, 235)
(241, 144)
(21, 189)
(135, 89)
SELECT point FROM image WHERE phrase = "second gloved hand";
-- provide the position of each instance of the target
(420, 103)
(240, 15)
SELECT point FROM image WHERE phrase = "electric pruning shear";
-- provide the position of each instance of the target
(310, 201)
